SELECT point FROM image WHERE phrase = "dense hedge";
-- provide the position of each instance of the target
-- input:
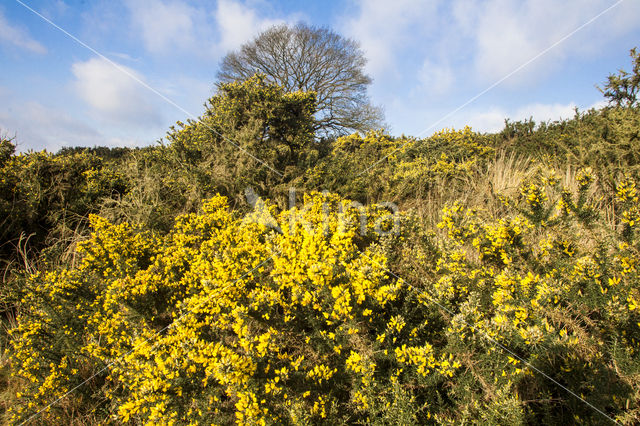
(226, 319)
(459, 278)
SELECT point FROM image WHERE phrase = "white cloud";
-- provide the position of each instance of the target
(16, 36)
(412, 43)
(190, 93)
(113, 95)
(39, 127)
(176, 26)
(507, 34)
(164, 25)
(492, 119)
(489, 119)
(385, 28)
(598, 105)
(55, 9)
(238, 23)
(435, 78)
(545, 112)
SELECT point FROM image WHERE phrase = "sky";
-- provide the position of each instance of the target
(121, 72)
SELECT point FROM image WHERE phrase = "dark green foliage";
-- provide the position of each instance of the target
(46, 198)
(606, 139)
(622, 89)
(252, 133)
(104, 152)
(7, 149)
(379, 167)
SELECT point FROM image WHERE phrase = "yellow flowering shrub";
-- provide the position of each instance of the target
(226, 320)
(556, 287)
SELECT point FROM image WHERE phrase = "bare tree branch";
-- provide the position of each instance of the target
(311, 59)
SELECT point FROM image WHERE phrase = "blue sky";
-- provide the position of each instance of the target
(427, 58)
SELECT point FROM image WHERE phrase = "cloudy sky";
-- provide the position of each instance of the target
(120, 72)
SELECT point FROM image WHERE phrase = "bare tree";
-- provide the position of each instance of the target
(303, 58)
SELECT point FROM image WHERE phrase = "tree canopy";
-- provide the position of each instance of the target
(310, 59)
(622, 88)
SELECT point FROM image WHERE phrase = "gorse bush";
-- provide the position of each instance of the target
(155, 286)
(225, 319)
(606, 140)
(378, 167)
(220, 312)
(44, 203)
(555, 287)
(48, 196)
(252, 133)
